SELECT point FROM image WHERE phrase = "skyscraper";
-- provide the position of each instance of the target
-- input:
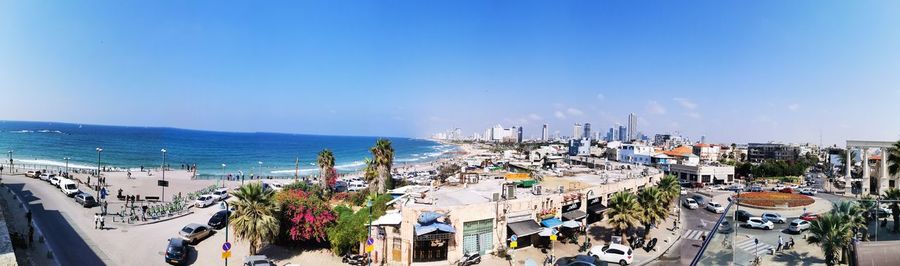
(587, 131)
(632, 127)
(623, 133)
(545, 133)
(519, 135)
(578, 131)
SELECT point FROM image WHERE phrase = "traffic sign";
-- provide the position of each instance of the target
(513, 244)
(226, 254)
(369, 248)
(226, 246)
(513, 238)
(370, 241)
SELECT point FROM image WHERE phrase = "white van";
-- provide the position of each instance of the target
(68, 187)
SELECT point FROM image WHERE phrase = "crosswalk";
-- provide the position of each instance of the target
(749, 245)
(693, 234)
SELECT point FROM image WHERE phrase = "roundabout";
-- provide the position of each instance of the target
(771, 200)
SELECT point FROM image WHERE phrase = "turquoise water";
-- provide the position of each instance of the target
(133, 147)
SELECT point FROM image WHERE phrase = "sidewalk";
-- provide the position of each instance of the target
(667, 235)
(14, 212)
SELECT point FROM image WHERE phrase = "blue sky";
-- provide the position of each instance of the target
(735, 71)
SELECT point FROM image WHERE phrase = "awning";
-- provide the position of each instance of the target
(391, 218)
(551, 223)
(524, 228)
(425, 229)
(574, 215)
(597, 209)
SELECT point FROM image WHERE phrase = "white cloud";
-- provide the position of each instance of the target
(793, 107)
(687, 104)
(559, 114)
(655, 108)
(600, 96)
(694, 115)
(535, 117)
(573, 111)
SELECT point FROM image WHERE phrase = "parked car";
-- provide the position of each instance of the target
(68, 187)
(217, 221)
(204, 200)
(759, 223)
(742, 215)
(774, 217)
(715, 207)
(786, 190)
(176, 251)
(615, 253)
(809, 217)
(44, 177)
(756, 189)
(54, 180)
(220, 194)
(701, 201)
(690, 203)
(30, 174)
(799, 225)
(258, 260)
(85, 199)
(778, 187)
(193, 233)
(808, 191)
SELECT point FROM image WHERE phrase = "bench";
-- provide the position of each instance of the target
(152, 198)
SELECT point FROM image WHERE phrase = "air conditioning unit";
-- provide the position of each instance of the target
(511, 191)
(560, 189)
(496, 197)
(537, 189)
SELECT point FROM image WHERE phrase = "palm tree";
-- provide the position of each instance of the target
(669, 188)
(623, 212)
(855, 215)
(893, 194)
(326, 167)
(653, 208)
(384, 159)
(254, 219)
(832, 233)
(893, 159)
(369, 172)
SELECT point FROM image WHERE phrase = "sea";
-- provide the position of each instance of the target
(254, 153)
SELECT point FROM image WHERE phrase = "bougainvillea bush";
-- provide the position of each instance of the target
(305, 217)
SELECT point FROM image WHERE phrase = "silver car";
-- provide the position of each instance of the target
(193, 233)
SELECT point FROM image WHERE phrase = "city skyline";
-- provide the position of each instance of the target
(733, 72)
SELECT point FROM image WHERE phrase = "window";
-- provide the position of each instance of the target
(615, 251)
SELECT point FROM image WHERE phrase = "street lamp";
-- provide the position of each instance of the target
(99, 150)
(223, 175)
(260, 168)
(369, 228)
(10, 161)
(163, 198)
(67, 165)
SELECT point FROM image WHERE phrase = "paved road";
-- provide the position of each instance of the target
(45, 201)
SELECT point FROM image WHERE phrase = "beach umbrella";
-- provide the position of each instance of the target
(571, 224)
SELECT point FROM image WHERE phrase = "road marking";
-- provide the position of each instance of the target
(749, 245)
(693, 234)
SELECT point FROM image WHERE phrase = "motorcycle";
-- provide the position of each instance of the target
(354, 259)
(470, 259)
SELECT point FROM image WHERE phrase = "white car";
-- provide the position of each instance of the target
(220, 194)
(778, 188)
(715, 207)
(774, 217)
(615, 253)
(356, 186)
(68, 187)
(690, 203)
(808, 191)
(204, 200)
(54, 180)
(798, 226)
(759, 223)
(45, 177)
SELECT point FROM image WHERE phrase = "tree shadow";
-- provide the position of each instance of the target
(794, 258)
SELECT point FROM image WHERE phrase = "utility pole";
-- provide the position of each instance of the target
(163, 198)
(297, 169)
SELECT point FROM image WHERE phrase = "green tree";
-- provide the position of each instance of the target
(670, 189)
(326, 166)
(832, 233)
(254, 217)
(894, 195)
(855, 215)
(384, 160)
(893, 159)
(350, 228)
(653, 208)
(623, 212)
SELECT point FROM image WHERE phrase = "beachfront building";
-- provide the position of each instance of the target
(705, 173)
(438, 227)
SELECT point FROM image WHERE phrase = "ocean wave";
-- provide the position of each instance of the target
(21, 131)
(302, 171)
(39, 131)
(56, 163)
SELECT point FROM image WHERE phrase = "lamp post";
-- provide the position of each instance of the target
(67, 165)
(260, 168)
(223, 175)
(11, 168)
(99, 150)
(163, 198)
(369, 227)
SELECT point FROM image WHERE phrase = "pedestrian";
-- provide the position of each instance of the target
(105, 206)
(30, 235)
(102, 222)
(96, 220)
(780, 243)
(28, 216)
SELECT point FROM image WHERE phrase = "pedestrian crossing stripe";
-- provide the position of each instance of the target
(693, 234)
(749, 245)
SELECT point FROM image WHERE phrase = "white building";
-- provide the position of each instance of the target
(706, 174)
(578, 131)
(635, 154)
